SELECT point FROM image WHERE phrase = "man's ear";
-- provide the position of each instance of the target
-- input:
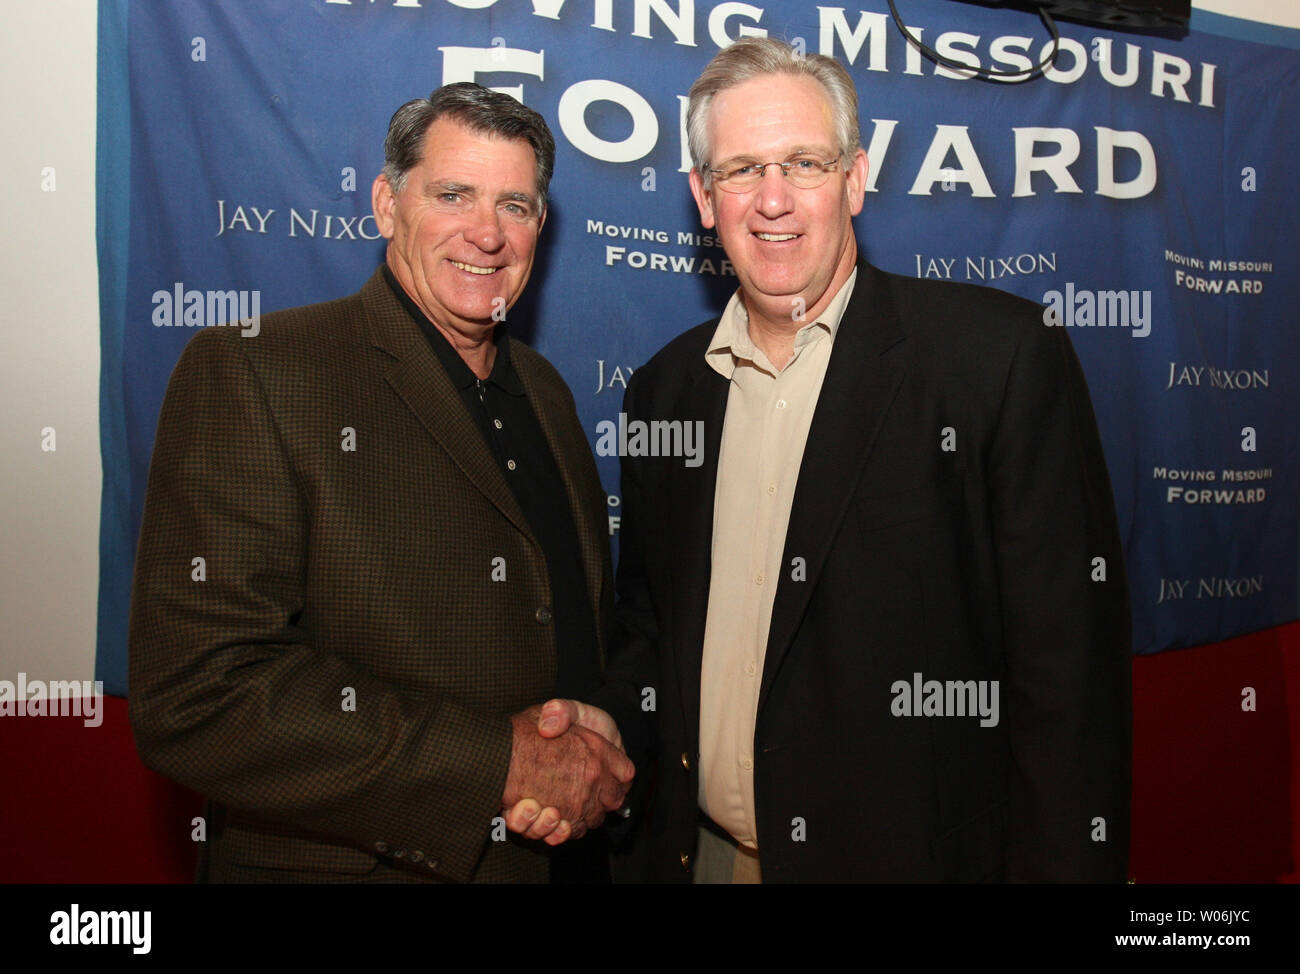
(856, 183)
(541, 220)
(382, 201)
(703, 199)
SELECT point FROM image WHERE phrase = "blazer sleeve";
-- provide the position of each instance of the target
(231, 696)
(1066, 623)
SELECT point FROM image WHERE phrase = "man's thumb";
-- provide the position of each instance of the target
(557, 717)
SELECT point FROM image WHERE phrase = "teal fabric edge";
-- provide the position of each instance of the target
(1245, 30)
(112, 240)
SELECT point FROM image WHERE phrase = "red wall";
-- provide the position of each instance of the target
(1216, 790)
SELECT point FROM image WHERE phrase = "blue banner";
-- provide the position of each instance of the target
(1142, 190)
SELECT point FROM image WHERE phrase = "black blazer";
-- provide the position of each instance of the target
(975, 562)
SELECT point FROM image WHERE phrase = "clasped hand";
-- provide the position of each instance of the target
(567, 769)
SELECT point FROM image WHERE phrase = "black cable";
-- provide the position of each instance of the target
(985, 74)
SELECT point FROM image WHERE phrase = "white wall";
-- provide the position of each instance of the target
(49, 369)
(1283, 13)
(49, 334)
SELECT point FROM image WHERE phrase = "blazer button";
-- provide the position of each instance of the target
(381, 847)
(417, 856)
(399, 854)
(686, 861)
(543, 615)
(686, 762)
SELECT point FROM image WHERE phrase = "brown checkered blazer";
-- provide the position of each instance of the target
(331, 576)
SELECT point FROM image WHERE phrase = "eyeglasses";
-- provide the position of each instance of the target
(803, 171)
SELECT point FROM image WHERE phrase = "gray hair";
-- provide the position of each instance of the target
(753, 57)
(480, 110)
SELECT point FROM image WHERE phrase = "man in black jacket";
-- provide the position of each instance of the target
(885, 619)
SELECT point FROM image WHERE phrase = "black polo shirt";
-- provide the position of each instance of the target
(500, 408)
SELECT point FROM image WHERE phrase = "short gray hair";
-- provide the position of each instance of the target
(480, 110)
(753, 57)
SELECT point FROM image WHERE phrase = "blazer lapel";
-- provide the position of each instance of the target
(861, 382)
(420, 380)
(691, 495)
(570, 453)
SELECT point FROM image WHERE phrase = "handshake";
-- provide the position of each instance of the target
(567, 769)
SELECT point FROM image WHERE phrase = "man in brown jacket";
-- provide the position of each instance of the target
(374, 541)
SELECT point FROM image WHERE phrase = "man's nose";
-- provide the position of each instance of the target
(485, 231)
(774, 194)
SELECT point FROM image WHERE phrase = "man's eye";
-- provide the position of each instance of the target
(449, 197)
(740, 172)
(804, 164)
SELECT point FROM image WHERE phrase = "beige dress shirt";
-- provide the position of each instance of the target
(768, 414)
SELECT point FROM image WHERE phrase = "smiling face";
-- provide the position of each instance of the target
(463, 230)
(785, 243)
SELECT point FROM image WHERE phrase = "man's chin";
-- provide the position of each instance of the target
(775, 279)
(482, 313)
(774, 299)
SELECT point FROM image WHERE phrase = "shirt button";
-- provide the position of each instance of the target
(771, 488)
(780, 404)
(747, 764)
(759, 578)
(496, 423)
(750, 668)
(543, 615)
(510, 464)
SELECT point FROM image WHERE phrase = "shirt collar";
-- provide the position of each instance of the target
(461, 375)
(732, 345)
